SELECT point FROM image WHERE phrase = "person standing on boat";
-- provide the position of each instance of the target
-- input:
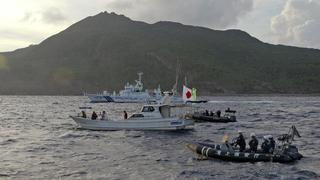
(241, 142)
(207, 112)
(218, 113)
(84, 115)
(103, 115)
(125, 115)
(253, 143)
(94, 115)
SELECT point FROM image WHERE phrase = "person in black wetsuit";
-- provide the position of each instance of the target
(253, 143)
(84, 115)
(241, 142)
(94, 115)
(125, 115)
(218, 113)
(266, 145)
(272, 144)
(207, 113)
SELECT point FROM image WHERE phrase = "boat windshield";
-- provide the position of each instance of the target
(148, 109)
(137, 115)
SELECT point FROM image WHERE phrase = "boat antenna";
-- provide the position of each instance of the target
(289, 137)
(178, 69)
(140, 76)
(139, 84)
(185, 80)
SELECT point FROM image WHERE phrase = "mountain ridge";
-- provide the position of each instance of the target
(106, 50)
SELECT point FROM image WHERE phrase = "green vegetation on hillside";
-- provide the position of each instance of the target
(107, 50)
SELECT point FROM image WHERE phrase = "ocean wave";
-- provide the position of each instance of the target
(7, 141)
(71, 134)
(42, 139)
(306, 174)
(75, 173)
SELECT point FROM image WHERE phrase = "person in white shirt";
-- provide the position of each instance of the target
(103, 115)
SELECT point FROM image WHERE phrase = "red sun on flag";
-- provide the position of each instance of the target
(188, 94)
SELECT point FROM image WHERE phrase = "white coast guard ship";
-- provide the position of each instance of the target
(130, 94)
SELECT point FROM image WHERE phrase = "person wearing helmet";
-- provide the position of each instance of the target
(265, 146)
(272, 144)
(253, 143)
(218, 113)
(241, 142)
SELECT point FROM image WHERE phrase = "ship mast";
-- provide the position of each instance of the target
(139, 84)
(175, 86)
(140, 75)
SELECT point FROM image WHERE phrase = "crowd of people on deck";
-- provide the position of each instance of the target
(94, 115)
(211, 113)
(218, 112)
(103, 115)
(267, 146)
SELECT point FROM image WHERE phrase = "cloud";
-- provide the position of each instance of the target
(53, 15)
(30, 21)
(298, 24)
(50, 15)
(210, 13)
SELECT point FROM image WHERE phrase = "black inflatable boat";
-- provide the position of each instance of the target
(288, 153)
(227, 117)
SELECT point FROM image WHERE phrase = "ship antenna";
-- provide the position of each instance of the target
(140, 76)
(139, 84)
(178, 68)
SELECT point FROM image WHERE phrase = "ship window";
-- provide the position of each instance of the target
(137, 115)
(148, 109)
(151, 108)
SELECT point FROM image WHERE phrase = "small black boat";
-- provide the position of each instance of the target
(198, 101)
(284, 153)
(226, 152)
(229, 116)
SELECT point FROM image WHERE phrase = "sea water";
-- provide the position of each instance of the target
(38, 140)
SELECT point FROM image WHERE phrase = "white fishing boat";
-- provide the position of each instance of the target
(172, 97)
(188, 95)
(151, 117)
(130, 94)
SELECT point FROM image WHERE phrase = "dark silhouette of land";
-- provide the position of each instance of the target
(107, 50)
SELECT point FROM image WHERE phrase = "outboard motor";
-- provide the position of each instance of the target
(287, 148)
(231, 114)
(233, 118)
(292, 151)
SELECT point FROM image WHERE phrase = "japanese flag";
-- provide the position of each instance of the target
(187, 94)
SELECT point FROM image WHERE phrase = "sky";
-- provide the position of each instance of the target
(289, 22)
